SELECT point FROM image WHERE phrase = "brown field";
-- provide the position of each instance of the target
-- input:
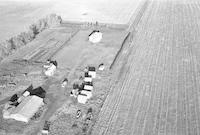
(158, 91)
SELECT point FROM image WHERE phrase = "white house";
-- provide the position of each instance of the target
(50, 70)
(26, 109)
(82, 98)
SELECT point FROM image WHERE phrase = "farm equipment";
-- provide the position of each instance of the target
(78, 113)
(45, 130)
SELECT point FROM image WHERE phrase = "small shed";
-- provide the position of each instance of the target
(88, 83)
(88, 79)
(92, 72)
(88, 87)
(82, 98)
(91, 69)
(95, 36)
(87, 92)
(86, 74)
(101, 67)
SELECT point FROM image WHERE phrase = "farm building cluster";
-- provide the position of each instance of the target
(83, 92)
(86, 92)
(52, 76)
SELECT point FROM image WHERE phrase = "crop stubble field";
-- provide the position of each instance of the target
(158, 91)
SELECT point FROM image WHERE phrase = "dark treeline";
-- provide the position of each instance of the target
(9, 46)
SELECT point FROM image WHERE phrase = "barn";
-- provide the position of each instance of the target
(27, 108)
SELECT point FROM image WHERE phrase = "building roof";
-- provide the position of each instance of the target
(88, 93)
(27, 108)
(88, 83)
(88, 87)
(54, 63)
(39, 91)
(93, 32)
(92, 73)
(87, 75)
(14, 98)
(82, 98)
(91, 68)
(88, 79)
(29, 88)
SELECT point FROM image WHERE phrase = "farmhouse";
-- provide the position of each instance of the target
(26, 109)
(95, 36)
(50, 68)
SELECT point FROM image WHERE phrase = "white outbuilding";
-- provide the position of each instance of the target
(26, 109)
(88, 79)
(95, 36)
(92, 73)
(101, 67)
(87, 92)
(88, 87)
(82, 98)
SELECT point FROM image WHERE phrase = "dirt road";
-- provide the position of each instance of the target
(158, 92)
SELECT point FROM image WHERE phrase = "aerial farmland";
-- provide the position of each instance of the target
(128, 67)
